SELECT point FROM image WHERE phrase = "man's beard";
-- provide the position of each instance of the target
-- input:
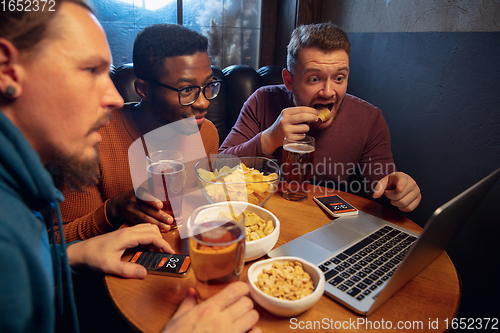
(73, 172)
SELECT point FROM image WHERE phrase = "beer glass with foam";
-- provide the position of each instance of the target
(298, 162)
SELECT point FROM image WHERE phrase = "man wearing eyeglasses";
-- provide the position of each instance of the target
(175, 83)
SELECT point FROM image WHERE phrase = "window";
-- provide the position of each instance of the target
(233, 27)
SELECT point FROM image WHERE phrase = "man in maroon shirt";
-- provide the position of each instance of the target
(353, 146)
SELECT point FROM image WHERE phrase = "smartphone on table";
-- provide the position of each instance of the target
(163, 263)
(335, 205)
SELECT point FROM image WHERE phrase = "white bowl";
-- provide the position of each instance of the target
(253, 249)
(281, 307)
(260, 247)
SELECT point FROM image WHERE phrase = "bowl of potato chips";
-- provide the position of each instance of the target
(262, 228)
(285, 286)
(229, 178)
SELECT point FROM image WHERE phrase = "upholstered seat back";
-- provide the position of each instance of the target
(239, 82)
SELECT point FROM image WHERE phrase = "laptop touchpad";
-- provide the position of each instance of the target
(333, 237)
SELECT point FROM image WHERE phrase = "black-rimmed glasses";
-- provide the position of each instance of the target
(189, 95)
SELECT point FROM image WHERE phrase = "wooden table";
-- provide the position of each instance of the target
(424, 304)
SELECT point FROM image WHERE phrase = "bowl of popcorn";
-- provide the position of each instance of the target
(262, 228)
(285, 286)
(229, 178)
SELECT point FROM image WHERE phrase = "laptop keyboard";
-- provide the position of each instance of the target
(364, 267)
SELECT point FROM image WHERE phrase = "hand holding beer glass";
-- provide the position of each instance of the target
(166, 180)
(298, 162)
(216, 247)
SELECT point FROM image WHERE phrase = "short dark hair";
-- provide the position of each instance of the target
(325, 36)
(26, 29)
(160, 41)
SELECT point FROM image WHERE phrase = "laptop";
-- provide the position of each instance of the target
(366, 259)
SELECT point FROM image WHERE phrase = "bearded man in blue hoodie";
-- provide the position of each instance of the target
(55, 93)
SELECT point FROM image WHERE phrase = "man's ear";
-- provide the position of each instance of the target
(142, 89)
(10, 69)
(287, 78)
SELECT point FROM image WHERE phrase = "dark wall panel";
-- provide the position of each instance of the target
(440, 95)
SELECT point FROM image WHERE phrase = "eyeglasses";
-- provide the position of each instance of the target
(189, 95)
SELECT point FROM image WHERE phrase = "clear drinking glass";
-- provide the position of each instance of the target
(298, 162)
(216, 247)
(166, 181)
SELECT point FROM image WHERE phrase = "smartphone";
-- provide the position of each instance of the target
(335, 205)
(163, 263)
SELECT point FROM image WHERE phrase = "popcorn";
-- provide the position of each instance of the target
(286, 280)
(255, 226)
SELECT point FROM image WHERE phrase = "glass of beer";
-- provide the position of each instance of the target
(298, 162)
(216, 247)
(166, 180)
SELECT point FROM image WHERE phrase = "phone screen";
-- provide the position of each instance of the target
(163, 263)
(335, 205)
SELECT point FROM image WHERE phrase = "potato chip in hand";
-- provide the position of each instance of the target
(324, 113)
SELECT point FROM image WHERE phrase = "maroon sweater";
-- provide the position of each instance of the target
(358, 139)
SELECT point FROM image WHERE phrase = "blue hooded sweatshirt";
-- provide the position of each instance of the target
(30, 264)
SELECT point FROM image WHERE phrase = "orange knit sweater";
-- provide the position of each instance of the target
(84, 213)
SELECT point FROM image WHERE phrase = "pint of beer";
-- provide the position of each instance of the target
(166, 180)
(216, 248)
(298, 162)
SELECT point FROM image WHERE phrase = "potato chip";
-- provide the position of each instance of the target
(324, 113)
(239, 183)
(206, 175)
